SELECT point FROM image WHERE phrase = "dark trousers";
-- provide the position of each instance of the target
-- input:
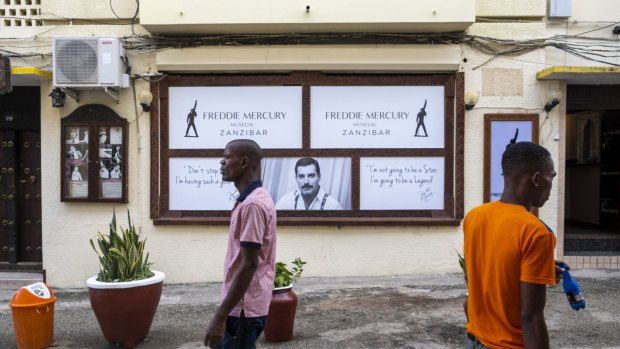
(242, 332)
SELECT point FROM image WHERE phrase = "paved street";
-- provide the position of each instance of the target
(422, 311)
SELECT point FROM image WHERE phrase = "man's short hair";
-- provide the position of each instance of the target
(307, 162)
(249, 148)
(523, 156)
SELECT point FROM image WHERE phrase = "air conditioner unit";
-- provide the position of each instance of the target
(88, 62)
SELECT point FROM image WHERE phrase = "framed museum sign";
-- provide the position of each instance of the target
(500, 131)
(204, 117)
(339, 149)
(377, 117)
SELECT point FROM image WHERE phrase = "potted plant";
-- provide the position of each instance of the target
(125, 293)
(283, 306)
(463, 266)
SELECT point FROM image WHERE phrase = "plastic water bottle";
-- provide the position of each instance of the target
(571, 288)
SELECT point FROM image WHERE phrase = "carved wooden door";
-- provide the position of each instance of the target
(20, 200)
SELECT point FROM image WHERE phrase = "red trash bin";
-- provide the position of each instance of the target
(33, 316)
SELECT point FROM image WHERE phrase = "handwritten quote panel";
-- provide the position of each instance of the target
(206, 117)
(377, 117)
(402, 183)
(196, 184)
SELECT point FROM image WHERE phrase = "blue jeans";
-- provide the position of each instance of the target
(242, 332)
(472, 343)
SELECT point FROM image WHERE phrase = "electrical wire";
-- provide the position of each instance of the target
(601, 50)
(112, 8)
(593, 30)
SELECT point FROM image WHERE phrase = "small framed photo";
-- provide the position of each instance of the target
(500, 131)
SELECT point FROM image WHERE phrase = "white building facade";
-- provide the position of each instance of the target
(304, 61)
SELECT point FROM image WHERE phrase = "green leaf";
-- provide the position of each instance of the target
(463, 265)
(285, 276)
(121, 254)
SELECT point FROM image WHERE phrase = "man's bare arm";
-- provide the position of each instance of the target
(240, 283)
(533, 299)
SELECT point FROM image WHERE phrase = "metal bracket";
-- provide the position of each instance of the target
(112, 93)
(71, 93)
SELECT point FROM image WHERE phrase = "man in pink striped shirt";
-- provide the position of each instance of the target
(249, 268)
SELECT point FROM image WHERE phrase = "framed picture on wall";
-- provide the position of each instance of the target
(94, 157)
(500, 131)
(378, 149)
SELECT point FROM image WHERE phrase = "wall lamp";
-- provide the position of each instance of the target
(551, 104)
(554, 101)
(58, 97)
(145, 98)
(471, 98)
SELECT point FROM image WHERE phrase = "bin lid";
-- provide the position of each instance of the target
(32, 295)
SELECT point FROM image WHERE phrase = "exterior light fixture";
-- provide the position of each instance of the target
(555, 97)
(145, 98)
(471, 98)
(551, 104)
(58, 97)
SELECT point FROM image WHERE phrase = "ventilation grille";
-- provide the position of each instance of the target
(20, 13)
(76, 61)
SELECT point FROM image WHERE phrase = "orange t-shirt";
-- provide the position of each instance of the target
(504, 246)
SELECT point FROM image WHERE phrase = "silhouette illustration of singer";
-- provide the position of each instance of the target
(420, 120)
(514, 140)
(190, 121)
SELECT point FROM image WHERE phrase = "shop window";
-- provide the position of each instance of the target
(94, 155)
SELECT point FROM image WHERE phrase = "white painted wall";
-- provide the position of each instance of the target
(511, 9)
(531, 100)
(91, 9)
(196, 253)
(589, 20)
(283, 16)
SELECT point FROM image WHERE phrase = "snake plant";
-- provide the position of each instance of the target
(121, 254)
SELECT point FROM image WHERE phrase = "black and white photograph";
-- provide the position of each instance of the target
(76, 178)
(309, 183)
(116, 135)
(76, 135)
(76, 152)
(76, 175)
(103, 136)
(117, 154)
(105, 151)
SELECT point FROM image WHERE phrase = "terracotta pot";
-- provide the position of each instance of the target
(281, 317)
(125, 310)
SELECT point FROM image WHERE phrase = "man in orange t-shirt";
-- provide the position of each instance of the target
(509, 256)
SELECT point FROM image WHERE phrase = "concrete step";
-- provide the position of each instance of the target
(14, 280)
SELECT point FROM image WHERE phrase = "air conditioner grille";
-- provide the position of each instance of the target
(76, 61)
